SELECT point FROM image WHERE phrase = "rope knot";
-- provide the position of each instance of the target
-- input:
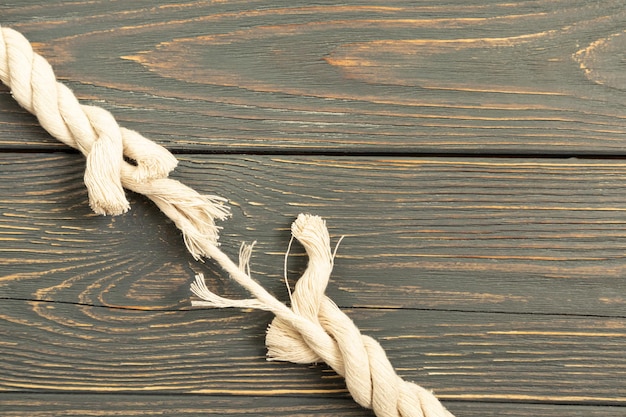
(92, 130)
(107, 147)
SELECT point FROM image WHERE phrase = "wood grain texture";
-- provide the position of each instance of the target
(116, 291)
(540, 77)
(45, 405)
(493, 278)
(18, 405)
(501, 235)
(475, 357)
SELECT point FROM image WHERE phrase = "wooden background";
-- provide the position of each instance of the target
(471, 153)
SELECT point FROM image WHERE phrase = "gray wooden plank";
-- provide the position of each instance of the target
(523, 410)
(39, 405)
(42, 405)
(480, 76)
(507, 235)
(47, 346)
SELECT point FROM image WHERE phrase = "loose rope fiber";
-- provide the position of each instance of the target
(313, 329)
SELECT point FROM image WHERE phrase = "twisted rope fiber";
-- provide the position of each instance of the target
(314, 329)
(95, 133)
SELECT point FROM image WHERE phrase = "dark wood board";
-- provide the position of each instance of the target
(501, 235)
(53, 346)
(540, 77)
(115, 291)
(87, 405)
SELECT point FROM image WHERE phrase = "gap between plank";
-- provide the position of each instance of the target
(593, 403)
(380, 308)
(355, 152)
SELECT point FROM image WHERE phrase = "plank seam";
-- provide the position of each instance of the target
(350, 153)
(343, 307)
(449, 400)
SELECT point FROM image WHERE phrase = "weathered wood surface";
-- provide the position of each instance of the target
(477, 357)
(503, 239)
(194, 405)
(500, 235)
(496, 281)
(540, 77)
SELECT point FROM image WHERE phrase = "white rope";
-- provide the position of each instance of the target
(314, 329)
(95, 133)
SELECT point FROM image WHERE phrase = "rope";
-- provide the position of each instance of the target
(95, 133)
(314, 329)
